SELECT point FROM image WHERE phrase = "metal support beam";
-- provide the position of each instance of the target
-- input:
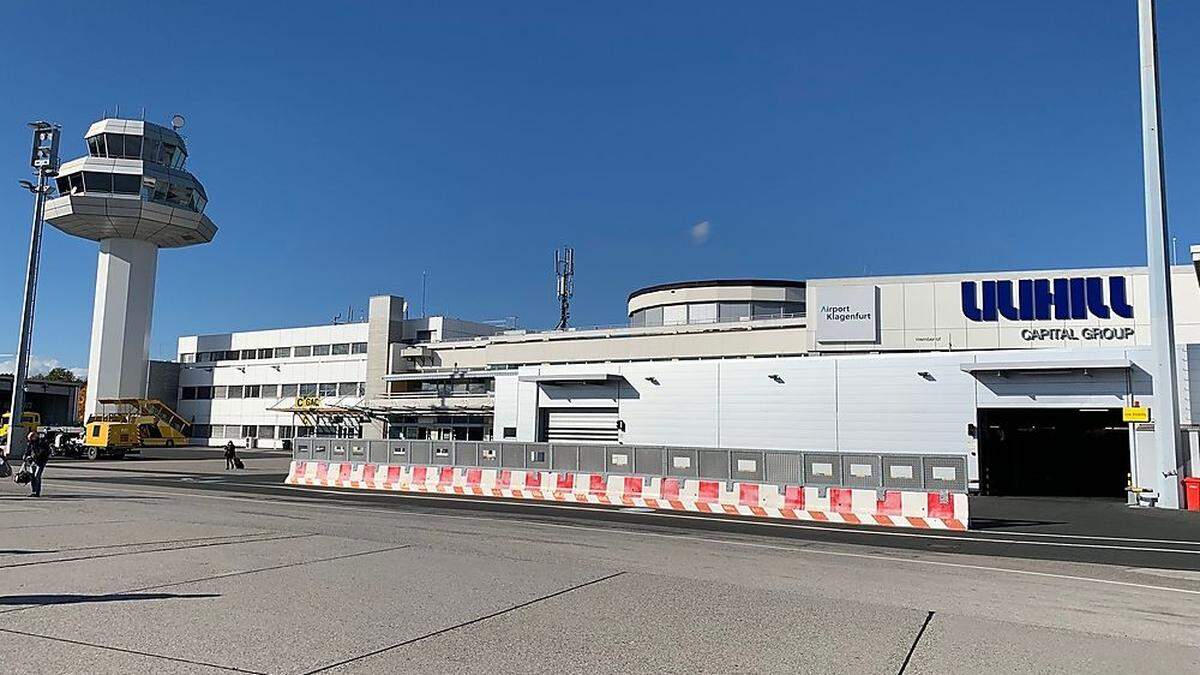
(1162, 320)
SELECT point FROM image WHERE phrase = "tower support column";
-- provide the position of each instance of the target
(120, 348)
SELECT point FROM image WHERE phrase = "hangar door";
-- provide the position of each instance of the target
(578, 425)
(1054, 452)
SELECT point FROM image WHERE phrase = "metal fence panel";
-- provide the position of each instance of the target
(862, 471)
(320, 449)
(945, 472)
(822, 469)
(301, 450)
(358, 450)
(489, 454)
(337, 450)
(902, 472)
(783, 468)
(714, 464)
(592, 458)
(420, 452)
(398, 452)
(746, 465)
(648, 460)
(512, 455)
(683, 462)
(619, 459)
(377, 452)
(564, 457)
(466, 453)
(537, 456)
(441, 452)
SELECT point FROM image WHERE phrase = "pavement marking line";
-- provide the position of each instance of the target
(122, 650)
(465, 623)
(792, 549)
(155, 543)
(86, 522)
(913, 647)
(763, 522)
(1185, 542)
(226, 575)
(33, 563)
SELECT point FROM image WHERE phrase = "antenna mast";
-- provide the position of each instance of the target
(564, 272)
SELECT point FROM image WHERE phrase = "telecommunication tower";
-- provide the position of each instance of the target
(564, 273)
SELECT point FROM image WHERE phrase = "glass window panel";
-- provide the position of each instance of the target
(235, 391)
(286, 390)
(127, 183)
(674, 315)
(270, 391)
(95, 181)
(654, 316)
(266, 431)
(250, 431)
(359, 348)
(285, 431)
(733, 311)
(768, 309)
(283, 352)
(637, 319)
(308, 390)
(189, 394)
(328, 389)
(340, 349)
(94, 147)
(64, 185)
(204, 393)
(320, 350)
(221, 391)
(116, 145)
(705, 312)
(347, 388)
(266, 353)
(252, 391)
(249, 353)
(133, 147)
(305, 350)
(76, 182)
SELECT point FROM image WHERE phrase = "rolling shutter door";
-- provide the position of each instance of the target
(582, 425)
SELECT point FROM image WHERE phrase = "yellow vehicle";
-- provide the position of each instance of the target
(30, 420)
(154, 433)
(154, 423)
(108, 437)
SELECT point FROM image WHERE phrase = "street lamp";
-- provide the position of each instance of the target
(44, 160)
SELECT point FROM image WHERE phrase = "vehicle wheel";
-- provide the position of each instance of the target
(93, 453)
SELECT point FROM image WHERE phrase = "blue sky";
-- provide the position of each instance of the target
(346, 147)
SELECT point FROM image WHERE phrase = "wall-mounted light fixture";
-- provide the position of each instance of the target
(277, 368)
(925, 374)
(776, 377)
(653, 380)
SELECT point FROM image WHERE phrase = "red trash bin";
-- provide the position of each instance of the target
(1191, 489)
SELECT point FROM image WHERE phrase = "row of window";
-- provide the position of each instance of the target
(150, 189)
(241, 431)
(272, 391)
(339, 349)
(713, 312)
(130, 146)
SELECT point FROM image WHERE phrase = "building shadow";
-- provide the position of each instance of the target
(45, 599)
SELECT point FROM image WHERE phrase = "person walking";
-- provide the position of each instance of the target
(38, 454)
(230, 455)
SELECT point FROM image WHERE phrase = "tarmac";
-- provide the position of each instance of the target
(172, 564)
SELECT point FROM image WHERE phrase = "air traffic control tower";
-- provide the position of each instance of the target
(132, 194)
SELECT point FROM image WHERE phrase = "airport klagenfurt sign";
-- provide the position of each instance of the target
(847, 314)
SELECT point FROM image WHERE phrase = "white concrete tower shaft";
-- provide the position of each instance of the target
(120, 347)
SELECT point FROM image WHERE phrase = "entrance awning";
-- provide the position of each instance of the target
(572, 378)
(1003, 368)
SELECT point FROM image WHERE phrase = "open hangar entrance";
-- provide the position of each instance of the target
(1050, 427)
(1053, 452)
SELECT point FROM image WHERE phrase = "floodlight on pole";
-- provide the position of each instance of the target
(44, 160)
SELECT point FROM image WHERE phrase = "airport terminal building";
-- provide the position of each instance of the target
(1025, 375)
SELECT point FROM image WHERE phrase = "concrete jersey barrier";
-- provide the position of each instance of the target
(853, 506)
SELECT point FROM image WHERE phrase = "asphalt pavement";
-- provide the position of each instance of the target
(176, 565)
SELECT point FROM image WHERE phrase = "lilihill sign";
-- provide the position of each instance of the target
(1059, 299)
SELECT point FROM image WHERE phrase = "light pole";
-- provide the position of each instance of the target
(1162, 319)
(44, 160)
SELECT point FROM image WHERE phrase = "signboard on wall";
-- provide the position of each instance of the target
(847, 314)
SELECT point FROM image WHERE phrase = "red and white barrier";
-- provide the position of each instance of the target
(854, 506)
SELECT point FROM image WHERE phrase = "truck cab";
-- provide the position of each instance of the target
(31, 421)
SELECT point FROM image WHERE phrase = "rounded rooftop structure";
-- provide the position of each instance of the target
(131, 185)
(716, 300)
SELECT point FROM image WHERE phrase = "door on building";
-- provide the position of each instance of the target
(578, 425)
(1075, 453)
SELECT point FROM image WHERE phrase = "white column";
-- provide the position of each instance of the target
(120, 351)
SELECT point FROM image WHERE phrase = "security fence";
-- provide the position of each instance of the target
(784, 467)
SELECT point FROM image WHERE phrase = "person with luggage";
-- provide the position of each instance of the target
(37, 455)
(230, 455)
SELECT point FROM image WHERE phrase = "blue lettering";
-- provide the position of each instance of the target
(989, 301)
(1095, 297)
(1025, 290)
(1116, 296)
(1004, 300)
(970, 306)
(1078, 304)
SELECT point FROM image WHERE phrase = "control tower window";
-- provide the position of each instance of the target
(94, 181)
(70, 184)
(96, 147)
(126, 183)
